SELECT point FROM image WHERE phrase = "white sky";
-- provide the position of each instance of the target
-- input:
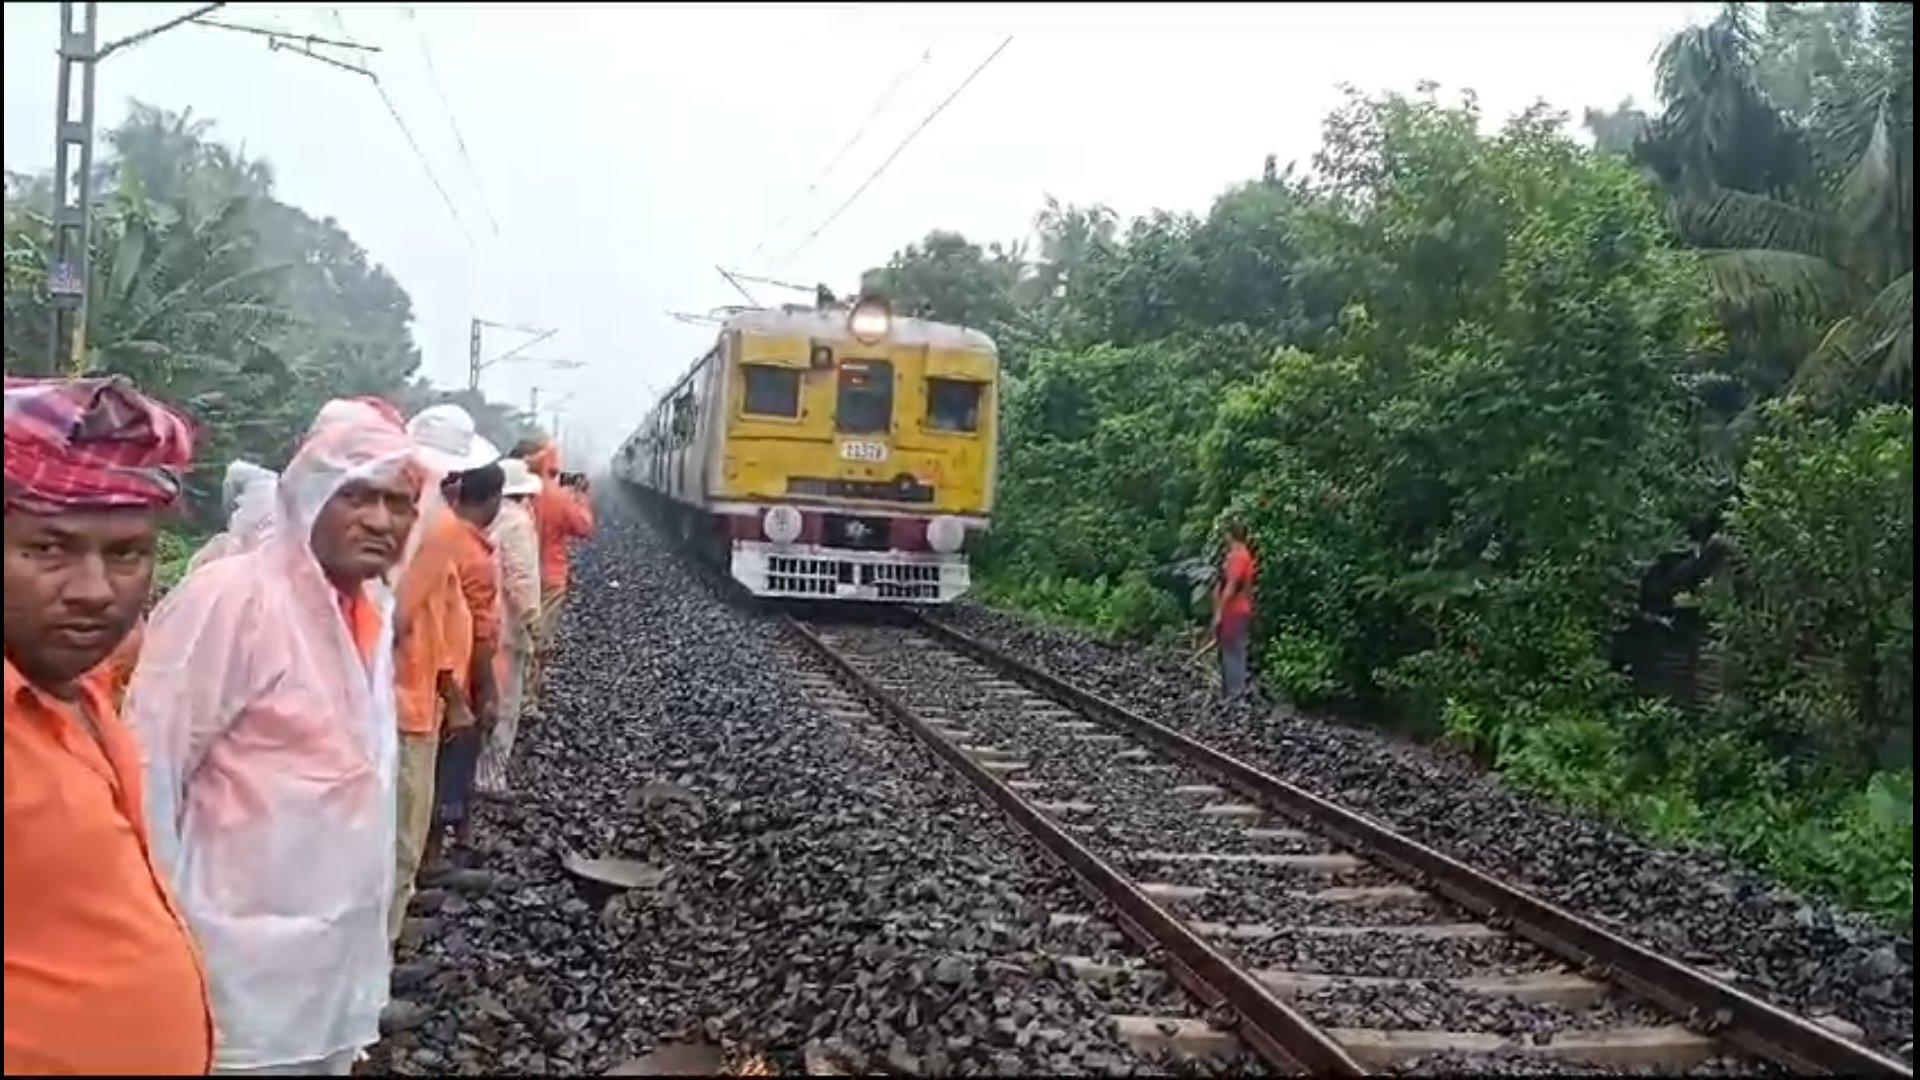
(627, 149)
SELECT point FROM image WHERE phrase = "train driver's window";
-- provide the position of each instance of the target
(865, 405)
(953, 405)
(771, 391)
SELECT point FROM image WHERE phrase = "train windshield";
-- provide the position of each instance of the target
(953, 405)
(865, 405)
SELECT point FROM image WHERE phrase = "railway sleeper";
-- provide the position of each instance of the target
(1259, 931)
(1668, 1049)
(1562, 988)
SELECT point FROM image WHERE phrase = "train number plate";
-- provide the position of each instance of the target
(863, 451)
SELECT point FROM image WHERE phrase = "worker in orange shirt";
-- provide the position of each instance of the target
(1233, 610)
(561, 516)
(474, 499)
(433, 652)
(102, 974)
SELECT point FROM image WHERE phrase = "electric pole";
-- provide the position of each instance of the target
(72, 188)
(69, 269)
(475, 365)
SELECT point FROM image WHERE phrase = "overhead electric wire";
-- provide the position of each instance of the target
(879, 107)
(897, 151)
(446, 107)
(418, 154)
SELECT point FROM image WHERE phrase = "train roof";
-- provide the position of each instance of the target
(830, 324)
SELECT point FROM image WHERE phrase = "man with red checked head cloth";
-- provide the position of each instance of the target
(102, 975)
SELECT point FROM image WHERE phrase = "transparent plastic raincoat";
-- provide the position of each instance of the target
(250, 492)
(270, 747)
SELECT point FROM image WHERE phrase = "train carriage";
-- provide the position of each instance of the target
(829, 452)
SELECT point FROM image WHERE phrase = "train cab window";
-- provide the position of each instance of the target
(865, 404)
(770, 391)
(953, 405)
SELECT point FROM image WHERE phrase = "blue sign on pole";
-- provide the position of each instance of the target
(64, 280)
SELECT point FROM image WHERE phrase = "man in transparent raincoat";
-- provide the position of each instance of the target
(264, 707)
(248, 492)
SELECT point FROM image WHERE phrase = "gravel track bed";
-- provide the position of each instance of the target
(1437, 1008)
(1097, 772)
(823, 879)
(1385, 956)
(1804, 955)
(1115, 835)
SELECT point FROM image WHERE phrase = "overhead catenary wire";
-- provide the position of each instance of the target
(453, 123)
(399, 121)
(881, 169)
(879, 106)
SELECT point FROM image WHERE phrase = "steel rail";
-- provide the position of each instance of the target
(1275, 1031)
(1719, 1009)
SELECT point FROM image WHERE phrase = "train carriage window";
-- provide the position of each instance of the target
(771, 391)
(953, 405)
(865, 404)
(683, 419)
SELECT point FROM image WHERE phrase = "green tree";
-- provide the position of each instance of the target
(1804, 218)
(210, 292)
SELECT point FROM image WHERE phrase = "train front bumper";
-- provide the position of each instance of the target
(812, 572)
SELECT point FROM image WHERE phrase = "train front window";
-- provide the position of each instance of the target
(953, 405)
(865, 405)
(771, 391)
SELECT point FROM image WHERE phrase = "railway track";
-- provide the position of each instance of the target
(1309, 935)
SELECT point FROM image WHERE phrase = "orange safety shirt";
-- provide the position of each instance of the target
(478, 568)
(118, 669)
(434, 625)
(1238, 609)
(560, 517)
(102, 977)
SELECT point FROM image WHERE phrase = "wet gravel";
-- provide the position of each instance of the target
(815, 882)
(1804, 955)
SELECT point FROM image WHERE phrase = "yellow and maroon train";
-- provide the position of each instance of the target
(830, 452)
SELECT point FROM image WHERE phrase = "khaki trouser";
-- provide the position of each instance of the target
(418, 758)
(552, 603)
(497, 753)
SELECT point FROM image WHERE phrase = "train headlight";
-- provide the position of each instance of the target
(946, 534)
(870, 321)
(782, 524)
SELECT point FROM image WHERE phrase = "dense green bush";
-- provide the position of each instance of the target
(1497, 406)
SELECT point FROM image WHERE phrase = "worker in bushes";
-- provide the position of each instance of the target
(434, 648)
(561, 516)
(102, 974)
(518, 549)
(1233, 610)
(264, 706)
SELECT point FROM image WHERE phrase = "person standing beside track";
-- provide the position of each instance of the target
(561, 516)
(473, 698)
(434, 635)
(102, 973)
(518, 549)
(1233, 610)
(264, 705)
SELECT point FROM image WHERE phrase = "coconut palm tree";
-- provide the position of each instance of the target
(1803, 219)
